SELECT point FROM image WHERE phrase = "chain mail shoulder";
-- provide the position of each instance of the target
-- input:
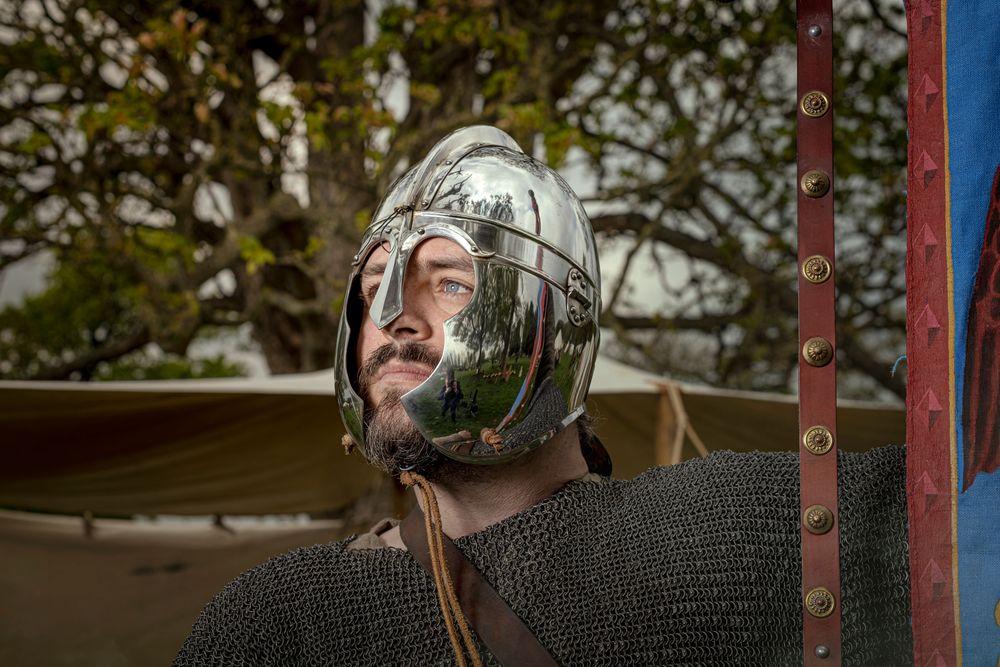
(696, 563)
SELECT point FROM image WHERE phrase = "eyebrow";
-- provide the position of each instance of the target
(457, 263)
(372, 269)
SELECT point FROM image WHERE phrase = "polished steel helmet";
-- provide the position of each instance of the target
(518, 358)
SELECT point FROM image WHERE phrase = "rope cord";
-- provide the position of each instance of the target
(447, 599)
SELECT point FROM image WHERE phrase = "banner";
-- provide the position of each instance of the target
(953, 330)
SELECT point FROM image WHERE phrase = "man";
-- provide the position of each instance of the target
(450, 396)
(476, 254)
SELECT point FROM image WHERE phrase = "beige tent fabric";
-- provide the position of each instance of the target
(741, 421)
(272, 445)
(121, 453)
(738, 421)
(129, 594)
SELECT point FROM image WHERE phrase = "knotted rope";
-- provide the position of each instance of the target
(447, 599)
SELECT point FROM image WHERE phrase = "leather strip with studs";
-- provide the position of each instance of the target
(820, 524)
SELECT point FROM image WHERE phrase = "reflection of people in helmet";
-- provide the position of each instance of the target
(450, 396)
(473, 405)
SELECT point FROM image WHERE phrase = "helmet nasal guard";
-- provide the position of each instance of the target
(519, 356)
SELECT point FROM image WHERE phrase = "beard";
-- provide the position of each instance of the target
(392, 441)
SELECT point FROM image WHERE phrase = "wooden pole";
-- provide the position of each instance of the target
(668, 428)
(665, 426)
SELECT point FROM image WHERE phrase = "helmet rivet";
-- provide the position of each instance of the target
(424, 203)
(572, 309)
(447, 161)
(421, 230)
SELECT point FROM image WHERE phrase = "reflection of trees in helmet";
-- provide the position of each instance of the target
(453, 195)
(498, 207)
(504, 340)
(485, 330)
(519, 161)
(547, 360)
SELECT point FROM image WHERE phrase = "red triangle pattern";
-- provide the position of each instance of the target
(925, 169)
(930, 323)
(929, 409)
(936, 660)
(927, 240)
(926, 494)
(929, 90)
(933, 581)
(930, 492)
(926, 15)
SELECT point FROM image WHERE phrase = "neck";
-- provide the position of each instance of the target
(472, 498)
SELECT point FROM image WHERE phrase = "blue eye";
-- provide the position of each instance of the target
(452, 287)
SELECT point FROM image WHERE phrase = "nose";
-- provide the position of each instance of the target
(412, 324)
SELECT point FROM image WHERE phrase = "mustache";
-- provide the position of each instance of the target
(418, 353)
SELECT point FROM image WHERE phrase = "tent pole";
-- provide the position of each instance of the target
(669, 429)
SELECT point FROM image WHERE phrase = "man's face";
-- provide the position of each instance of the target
(440, 279)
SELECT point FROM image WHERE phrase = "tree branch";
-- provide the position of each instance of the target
(107, 352)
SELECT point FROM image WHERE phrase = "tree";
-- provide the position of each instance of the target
(193, 166)
(715, 190)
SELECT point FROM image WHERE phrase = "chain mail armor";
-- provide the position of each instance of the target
(696, 563)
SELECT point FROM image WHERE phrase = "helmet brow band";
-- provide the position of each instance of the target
(516, 263)
(519, 232)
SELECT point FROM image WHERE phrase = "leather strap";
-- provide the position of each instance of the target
(497, 626)
(817, 381)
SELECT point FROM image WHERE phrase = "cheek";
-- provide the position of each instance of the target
(437, 333)
(436, 322)
(368, 339)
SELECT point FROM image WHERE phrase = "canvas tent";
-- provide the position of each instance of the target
(272, 445)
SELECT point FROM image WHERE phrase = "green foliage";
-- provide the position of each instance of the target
(153, 151)
(254, 254)
(138, 366)
(83, 307)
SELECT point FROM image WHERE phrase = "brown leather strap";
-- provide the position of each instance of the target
(817, 341)
(496, 624)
